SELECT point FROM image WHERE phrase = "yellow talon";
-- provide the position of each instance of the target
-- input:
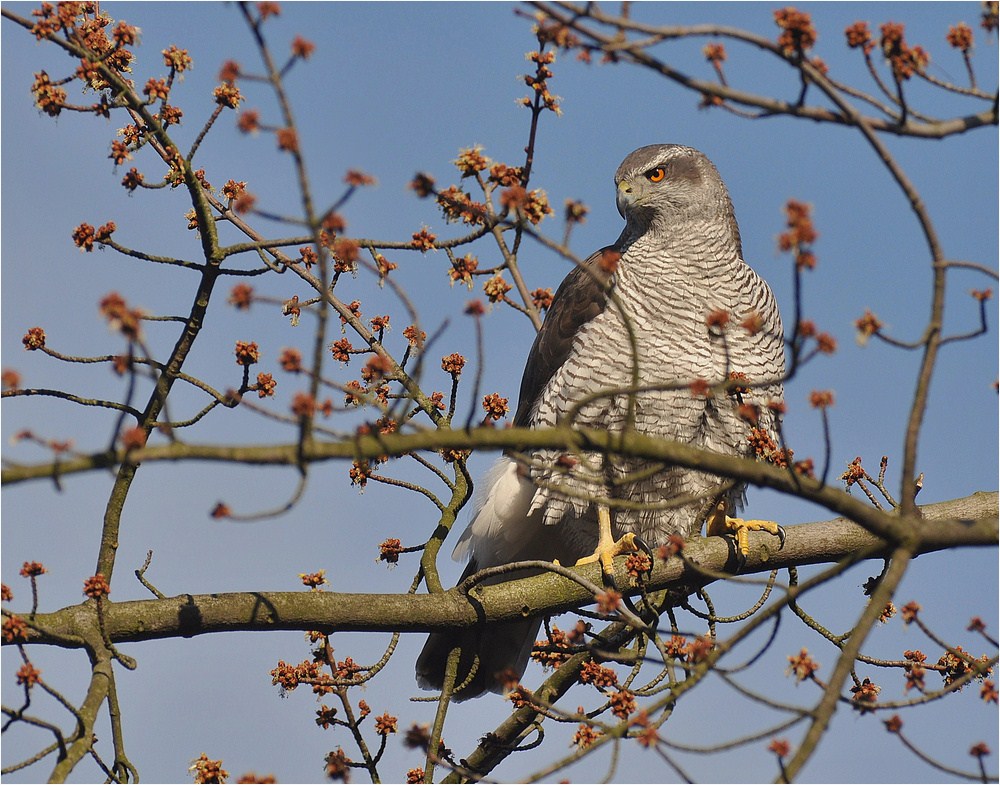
(607, 547)
(721, 524)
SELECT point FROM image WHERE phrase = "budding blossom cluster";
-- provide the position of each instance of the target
(904, 59)
(559, 647)
(532, 205)
(495, 406)
(207, 771)
(797, 31)
(514, 199)
(84, 22)
(462, 269)
(96, 587)
(85, 235)
(496, 288)
(539, 82)
(120, 317)
(801, 234)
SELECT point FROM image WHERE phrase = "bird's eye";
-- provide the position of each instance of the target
(655, 175)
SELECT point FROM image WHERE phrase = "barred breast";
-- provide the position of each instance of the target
(665, 299)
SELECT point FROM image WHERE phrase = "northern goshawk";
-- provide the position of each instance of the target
(668, 331)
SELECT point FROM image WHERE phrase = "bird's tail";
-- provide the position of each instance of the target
(501, 532)
(499, 653)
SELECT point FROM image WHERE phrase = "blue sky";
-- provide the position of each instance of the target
(397, 88)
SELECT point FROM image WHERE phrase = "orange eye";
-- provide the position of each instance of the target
(655, 175)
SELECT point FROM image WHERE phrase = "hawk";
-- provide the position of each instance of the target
(667, 331)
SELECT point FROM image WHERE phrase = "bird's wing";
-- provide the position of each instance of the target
(581, 296)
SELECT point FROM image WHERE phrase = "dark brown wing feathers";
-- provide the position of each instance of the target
(581, 296)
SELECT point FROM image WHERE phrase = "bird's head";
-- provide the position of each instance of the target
(662, 186)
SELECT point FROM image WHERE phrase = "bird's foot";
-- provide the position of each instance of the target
(607, 549)
(739, 529)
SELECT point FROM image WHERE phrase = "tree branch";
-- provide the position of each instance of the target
(971, 521)
(371, 446)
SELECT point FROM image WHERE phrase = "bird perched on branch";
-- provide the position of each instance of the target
(667, 332)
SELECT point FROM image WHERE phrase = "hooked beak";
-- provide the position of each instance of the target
(625, 198)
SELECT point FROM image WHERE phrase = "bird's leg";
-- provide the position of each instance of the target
(720, 524)
(607, 548)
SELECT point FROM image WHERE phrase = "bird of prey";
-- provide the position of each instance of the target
(650, 333)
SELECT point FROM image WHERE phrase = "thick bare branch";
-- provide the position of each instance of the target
(967, 522)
